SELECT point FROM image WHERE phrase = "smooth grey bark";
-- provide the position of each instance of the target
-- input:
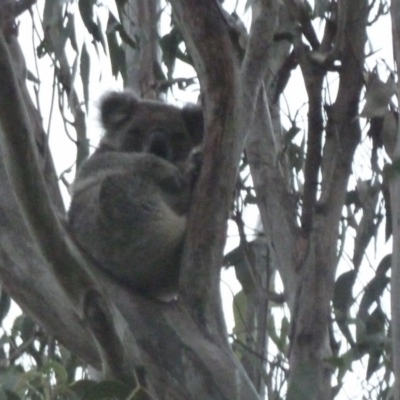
(395, 208)
(141, 22)
(230, 91)
(24, 271)
(316, 263)
(306, 255)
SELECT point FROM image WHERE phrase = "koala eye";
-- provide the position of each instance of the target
(159, 145)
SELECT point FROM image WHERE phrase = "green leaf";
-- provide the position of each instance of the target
(250, 198)
(388, 208)
(342, 301)
(80, 388)
(284, 336)
(239, 307)
(73, 75)
(56, 29)
(352, 198)
(272, 333)
(28, 328)
(296, 157)
(376, 322)
(321, 7)
(345, 364)
(373, 362)
(121, 3)
(5, 303)
(71, 32)
(9, 378)
(85, 74)
(378, 95)
(106, 390)
(375, 288)
(285, 329)
(59, 371)
(343, 292)
(281, 341)
(375, 329)
(237, 258)
(290, 135)
(10, 395)
(87, 14)
(117, 52)
(24, 327)
(239, 312)
(169, 44)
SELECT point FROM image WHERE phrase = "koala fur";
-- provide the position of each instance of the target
(130, 198)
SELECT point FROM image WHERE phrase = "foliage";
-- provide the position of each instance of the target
(34, 366)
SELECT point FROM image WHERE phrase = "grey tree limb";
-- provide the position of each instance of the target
(395, 208)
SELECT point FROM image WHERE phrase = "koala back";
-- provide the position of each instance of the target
(130, 198)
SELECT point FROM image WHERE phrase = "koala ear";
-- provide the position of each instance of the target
(116, 108)
(193, 117)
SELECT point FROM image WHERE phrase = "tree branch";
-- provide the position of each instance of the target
(229, 97)
(140, 19)
(395, 208)
(256, 60)
(316, 278)
(20, 129)
(277, 206)
(50, 238)
(299, 10)
(22, 164)
(313, 78)
(208, 41)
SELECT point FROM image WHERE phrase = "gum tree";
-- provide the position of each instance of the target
(302, 184)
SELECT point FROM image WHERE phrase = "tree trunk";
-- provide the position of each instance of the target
(395, 207)
(140, 19)
(316, 263)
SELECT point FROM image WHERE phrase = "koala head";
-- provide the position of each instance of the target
(133, 125)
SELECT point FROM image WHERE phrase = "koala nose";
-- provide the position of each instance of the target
(159, 145)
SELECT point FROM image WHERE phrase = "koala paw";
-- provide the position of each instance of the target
(193, 166)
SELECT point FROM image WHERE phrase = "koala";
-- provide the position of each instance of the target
(131, 197)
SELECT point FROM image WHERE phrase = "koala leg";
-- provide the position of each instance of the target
(128, 223)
